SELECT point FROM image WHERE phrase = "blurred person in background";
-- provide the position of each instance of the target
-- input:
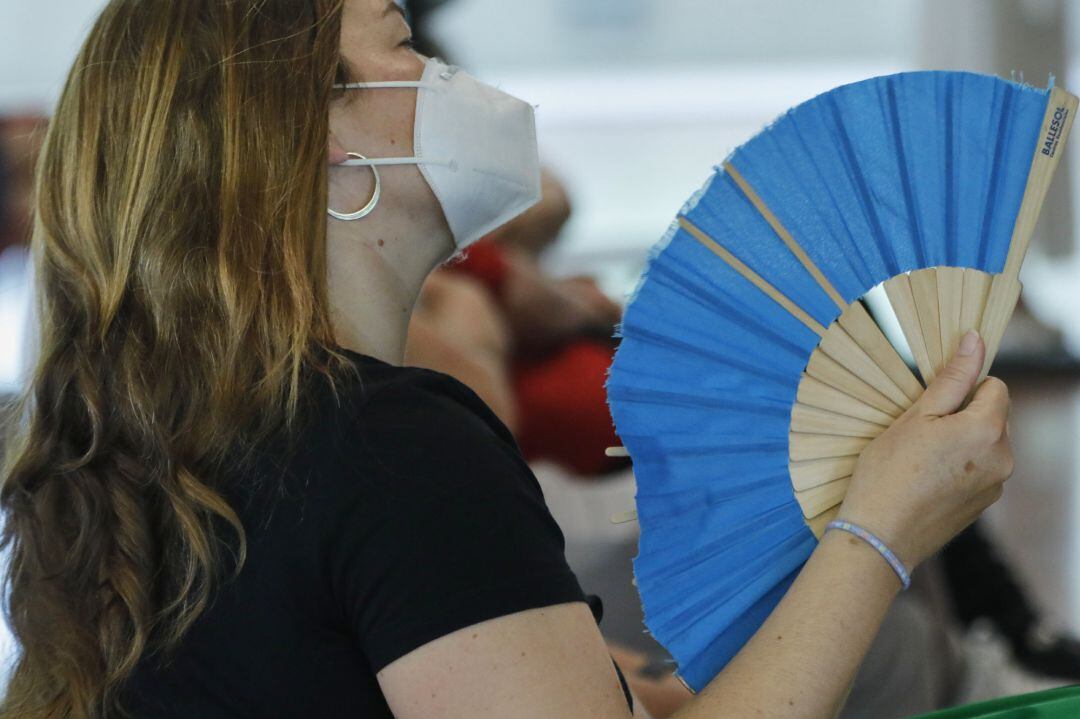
(558, 339)
(558, 333)
(20, 143)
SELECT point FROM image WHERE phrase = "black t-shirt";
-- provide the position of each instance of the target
(405, 514)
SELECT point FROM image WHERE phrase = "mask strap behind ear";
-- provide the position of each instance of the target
(447, 74)
(388, 83)
(385, 161)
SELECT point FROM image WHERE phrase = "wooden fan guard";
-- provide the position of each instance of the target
(855, 383)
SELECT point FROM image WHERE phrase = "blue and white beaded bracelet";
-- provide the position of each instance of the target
(877, 544)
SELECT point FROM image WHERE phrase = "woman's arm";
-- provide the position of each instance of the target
(552, 662)
(539, 664)
(803, 660)
(916, 486)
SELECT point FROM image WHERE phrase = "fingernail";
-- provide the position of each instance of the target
(969, 343)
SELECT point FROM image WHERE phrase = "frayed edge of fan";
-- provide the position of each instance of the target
(1016, 77)
(664, 241)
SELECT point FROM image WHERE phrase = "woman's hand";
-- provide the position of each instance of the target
(936, 468)
(605, 312)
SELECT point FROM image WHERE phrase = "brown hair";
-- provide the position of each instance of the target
(179, 245)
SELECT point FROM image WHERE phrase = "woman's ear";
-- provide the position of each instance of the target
(335, 153)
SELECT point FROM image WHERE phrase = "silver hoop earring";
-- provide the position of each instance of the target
(370, 206)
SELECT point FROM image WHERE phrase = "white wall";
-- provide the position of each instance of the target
(38, 42)
(549, 34)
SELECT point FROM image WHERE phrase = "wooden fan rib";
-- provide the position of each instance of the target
(862, 328)
(1052, 138)
(1004, 294)
(866, 332)
(811, 473)
(805, 474)
(811, 420)
(823, 497)
(902, 300)
(924, 292)
(1005, 290)
(847, 351)
(839, 345)
(754, 278)
(784, 235)
(815, 393)
(975, 295)
(950, 288)
(804, 447)
(825, 369)
(818, 524)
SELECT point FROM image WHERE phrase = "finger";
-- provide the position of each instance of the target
(947, 392)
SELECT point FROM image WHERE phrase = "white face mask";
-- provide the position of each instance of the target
(476, 147)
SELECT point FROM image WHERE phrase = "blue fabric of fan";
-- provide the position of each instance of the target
(899, 173)
(744, 354)
(872, 179)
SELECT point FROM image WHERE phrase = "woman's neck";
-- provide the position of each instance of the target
(372, 294)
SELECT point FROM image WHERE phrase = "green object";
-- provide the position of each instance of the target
(1061, 703)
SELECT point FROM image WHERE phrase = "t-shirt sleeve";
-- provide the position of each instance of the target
(447, 529)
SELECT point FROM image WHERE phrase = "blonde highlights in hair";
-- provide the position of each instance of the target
(179, 245)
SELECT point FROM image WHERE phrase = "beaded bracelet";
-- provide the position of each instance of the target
(877, 544)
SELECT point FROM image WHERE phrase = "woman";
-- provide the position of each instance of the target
(201, 524)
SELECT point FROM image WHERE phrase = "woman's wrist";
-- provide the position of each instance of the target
(894, 531)
(873, 569)
(879, 545)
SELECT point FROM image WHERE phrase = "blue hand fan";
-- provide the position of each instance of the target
(750, 374)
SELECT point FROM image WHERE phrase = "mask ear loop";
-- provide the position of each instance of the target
(372, 203)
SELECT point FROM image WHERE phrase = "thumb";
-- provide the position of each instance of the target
(951, 387)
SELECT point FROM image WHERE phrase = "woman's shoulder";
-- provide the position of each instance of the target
(435, 523)
(391, 397)
(417, 430)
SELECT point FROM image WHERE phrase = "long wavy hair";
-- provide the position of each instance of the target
(179, 249)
